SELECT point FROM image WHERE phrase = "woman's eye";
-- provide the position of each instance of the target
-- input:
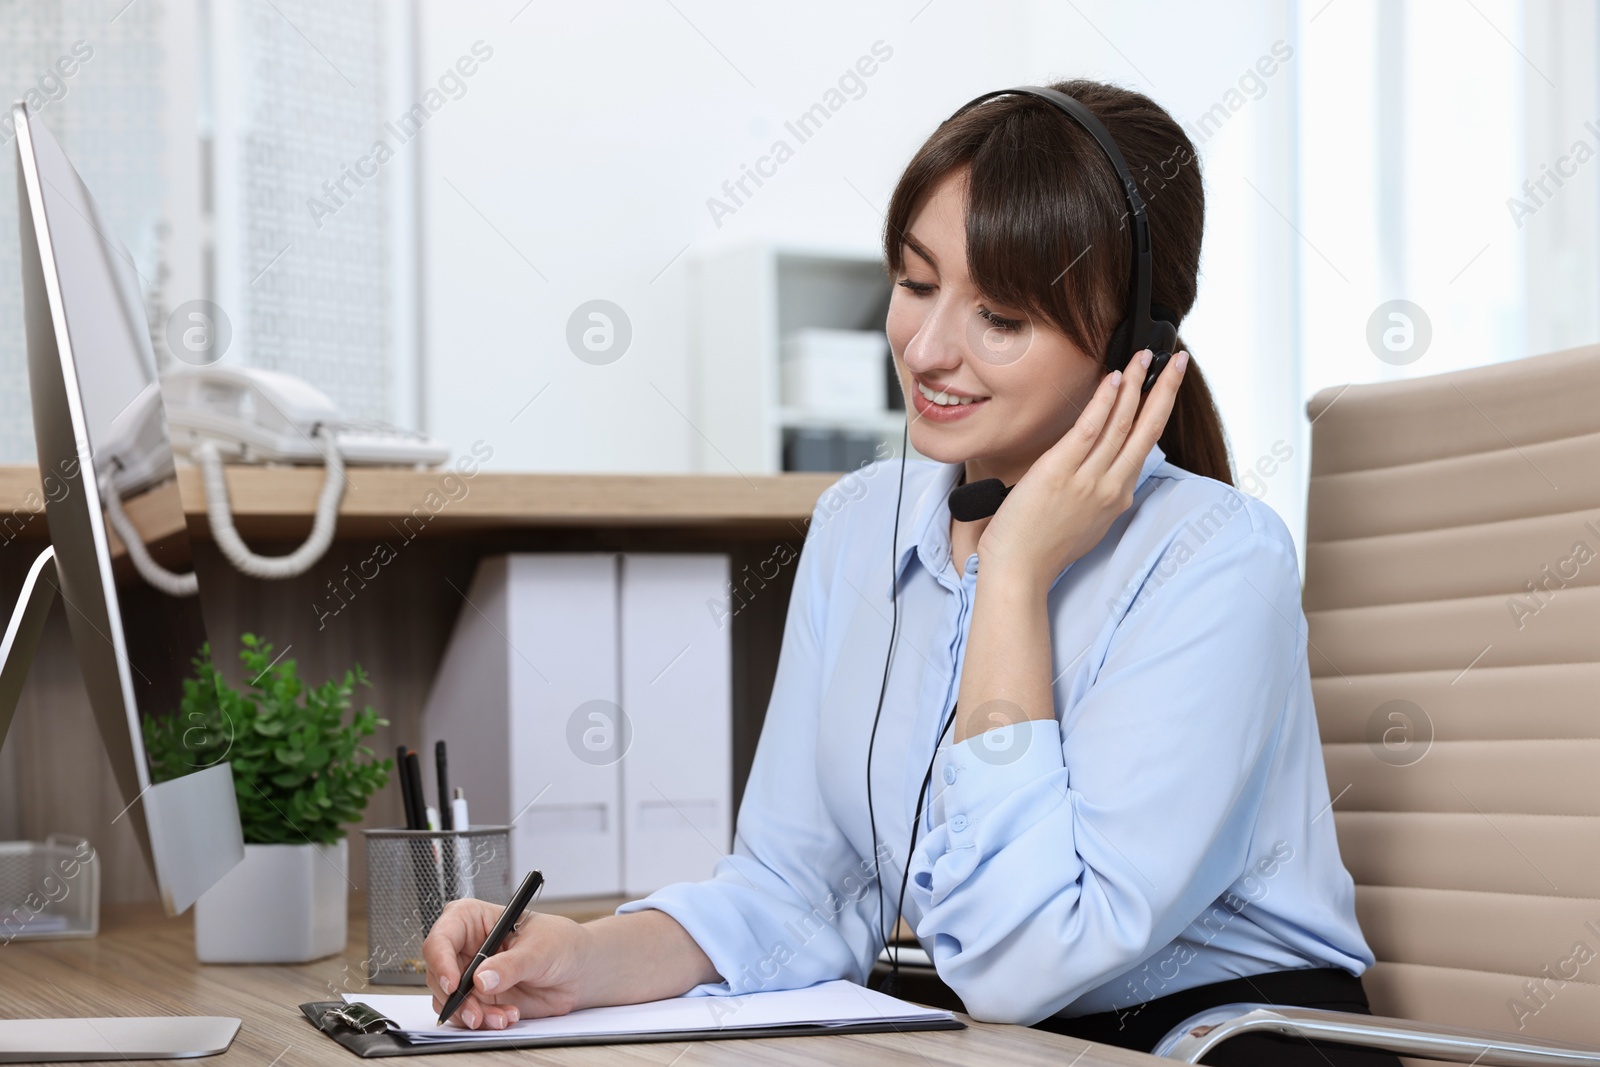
(999, 322)
(920, 288)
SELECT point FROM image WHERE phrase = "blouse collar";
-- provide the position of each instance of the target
(927, 531)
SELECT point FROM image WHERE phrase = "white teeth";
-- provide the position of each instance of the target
(944, 399)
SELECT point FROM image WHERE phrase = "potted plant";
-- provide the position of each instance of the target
(301, 776)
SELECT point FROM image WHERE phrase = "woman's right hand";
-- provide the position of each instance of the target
(535, 973)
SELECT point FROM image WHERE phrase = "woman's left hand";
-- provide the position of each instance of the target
(1063, 506)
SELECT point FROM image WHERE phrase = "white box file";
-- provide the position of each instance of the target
(535, 641)
(586, 700)
(677, 780)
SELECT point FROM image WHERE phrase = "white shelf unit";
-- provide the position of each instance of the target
(745, 300)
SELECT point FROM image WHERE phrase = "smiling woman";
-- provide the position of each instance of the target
(1121, 824)
(1013, 216)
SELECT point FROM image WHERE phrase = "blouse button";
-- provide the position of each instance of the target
(949, 775)
(958, 823)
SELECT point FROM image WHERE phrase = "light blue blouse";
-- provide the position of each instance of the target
(1171, 827)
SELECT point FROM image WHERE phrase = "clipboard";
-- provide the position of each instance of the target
(367, 1032)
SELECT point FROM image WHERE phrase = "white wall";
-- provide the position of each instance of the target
(1373, 163)
(1562, 236)
(596, 133)
(1379, 162)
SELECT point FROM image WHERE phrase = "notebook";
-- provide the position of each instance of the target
(406, 1024)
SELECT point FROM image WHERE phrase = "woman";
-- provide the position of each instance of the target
(1129, 817)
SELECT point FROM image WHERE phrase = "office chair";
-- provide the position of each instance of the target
(1453, 595)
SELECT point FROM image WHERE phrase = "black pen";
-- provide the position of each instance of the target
(441, 764)
(417, 818)
(406, 802)
(491, 944)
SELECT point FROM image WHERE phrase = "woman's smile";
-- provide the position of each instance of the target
(958, 350)
(942, 404)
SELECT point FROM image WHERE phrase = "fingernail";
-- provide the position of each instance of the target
(1116, 378)
(469, 1017)
(1181, 360)
(513, 1014)
(488, 981)
(1144, 358)
(444, 984)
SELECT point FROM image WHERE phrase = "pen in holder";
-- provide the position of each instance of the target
(412, 875)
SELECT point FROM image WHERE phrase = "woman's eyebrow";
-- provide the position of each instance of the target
(919, 250)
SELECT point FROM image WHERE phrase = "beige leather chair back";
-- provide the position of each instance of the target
(1453, 596)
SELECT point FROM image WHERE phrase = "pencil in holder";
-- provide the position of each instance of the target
(412, 875)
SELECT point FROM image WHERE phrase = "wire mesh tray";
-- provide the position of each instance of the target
(49, 889)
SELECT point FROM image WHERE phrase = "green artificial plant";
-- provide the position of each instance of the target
(300, 772)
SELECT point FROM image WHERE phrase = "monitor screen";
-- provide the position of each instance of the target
(131, 603)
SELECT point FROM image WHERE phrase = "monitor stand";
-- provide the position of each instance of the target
(172, 1037)
(61, 1040)
(22, 634)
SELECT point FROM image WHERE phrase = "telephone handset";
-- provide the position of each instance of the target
(247, 415)
(262, 416)
(131, 454)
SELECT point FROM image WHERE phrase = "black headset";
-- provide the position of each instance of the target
(1146, 326)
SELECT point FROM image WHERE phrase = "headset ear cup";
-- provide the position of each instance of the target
(1117, 351)
(1164, 338)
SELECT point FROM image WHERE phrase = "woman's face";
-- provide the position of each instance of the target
(1027, 379)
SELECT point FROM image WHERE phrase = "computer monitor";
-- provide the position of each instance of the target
(106, 461)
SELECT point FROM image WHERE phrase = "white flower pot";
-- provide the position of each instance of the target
(283, 904)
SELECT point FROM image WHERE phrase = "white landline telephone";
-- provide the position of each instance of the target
(263, 416)
(247, 415)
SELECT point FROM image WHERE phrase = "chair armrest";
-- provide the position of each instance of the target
(1202, 1032)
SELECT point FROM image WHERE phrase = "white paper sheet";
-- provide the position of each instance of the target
(837, 1003)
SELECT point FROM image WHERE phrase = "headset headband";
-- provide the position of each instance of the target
(1139, 330)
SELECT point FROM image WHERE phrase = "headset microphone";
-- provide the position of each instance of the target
(969, 503)
(1147, 325)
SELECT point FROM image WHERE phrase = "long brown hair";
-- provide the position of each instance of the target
(1045, 227)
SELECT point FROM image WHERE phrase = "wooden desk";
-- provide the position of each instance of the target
(278, 502)
(143, 964)
(53, 775)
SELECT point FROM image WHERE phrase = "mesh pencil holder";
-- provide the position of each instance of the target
(49, 888)
(412, 875)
